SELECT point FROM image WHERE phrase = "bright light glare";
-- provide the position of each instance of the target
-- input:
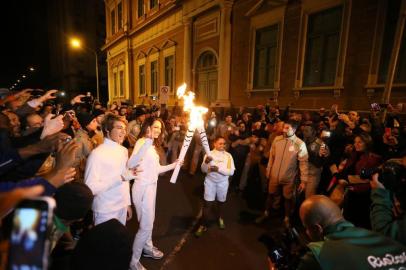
(195, 112)
(75, 43)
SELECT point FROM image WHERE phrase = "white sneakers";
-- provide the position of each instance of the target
(137, 266)
(155, 253)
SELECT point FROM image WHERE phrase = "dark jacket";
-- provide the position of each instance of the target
(349, 247)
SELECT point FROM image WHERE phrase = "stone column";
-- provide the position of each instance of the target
(223, 91)
(187, 52)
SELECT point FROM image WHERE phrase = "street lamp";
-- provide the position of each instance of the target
(76, 44)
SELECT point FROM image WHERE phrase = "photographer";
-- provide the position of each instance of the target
(339, 245)
(389, 203)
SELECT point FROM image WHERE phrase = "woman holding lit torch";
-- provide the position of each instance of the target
(144, 189)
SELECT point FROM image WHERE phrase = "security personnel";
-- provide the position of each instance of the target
(338, 244)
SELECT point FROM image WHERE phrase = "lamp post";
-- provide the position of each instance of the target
(76, 43)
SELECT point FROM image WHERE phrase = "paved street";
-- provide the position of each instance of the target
(178, 207)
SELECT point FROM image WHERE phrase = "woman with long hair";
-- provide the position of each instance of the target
(357, 202)
(144, 189)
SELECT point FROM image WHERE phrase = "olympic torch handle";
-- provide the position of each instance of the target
(203, 139)
(205, 142)
(182, 154)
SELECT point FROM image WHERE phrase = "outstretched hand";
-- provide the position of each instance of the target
(77, 99)
(8, 200)
(52, 125)
(48, 95)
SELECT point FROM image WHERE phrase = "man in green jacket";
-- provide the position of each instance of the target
(339, 245)
(387, 211)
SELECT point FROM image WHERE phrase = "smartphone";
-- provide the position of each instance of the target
(375, 107)
(325, 134)
(88, 98)
(388, 132)
(60, 97)
(29, 240)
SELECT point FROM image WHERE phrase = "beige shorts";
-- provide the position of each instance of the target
(287, 189)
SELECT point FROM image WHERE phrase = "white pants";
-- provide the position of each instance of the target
(144, 198)
(120, 215)
(213, 190)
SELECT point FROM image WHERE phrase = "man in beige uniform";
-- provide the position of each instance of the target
(288, 154)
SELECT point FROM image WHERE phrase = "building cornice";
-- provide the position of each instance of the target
(116, 39)
(140, 27)
(150, 20)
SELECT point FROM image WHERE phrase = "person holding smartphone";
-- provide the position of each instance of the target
(318, 153)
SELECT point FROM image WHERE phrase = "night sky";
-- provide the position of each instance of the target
(26, 40)
(24, 43)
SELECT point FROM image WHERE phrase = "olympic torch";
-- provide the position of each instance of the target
(195, 122)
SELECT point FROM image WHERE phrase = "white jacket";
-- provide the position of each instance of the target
(224, 161)
(106, 168)
(148, 164)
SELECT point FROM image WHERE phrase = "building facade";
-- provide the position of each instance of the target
(311, 53)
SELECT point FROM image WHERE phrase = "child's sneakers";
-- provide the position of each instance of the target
(222, 226)
(200, 231)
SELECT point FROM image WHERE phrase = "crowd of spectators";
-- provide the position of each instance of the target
(45, 145)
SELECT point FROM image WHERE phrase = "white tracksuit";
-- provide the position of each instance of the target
(216, 183)
(144, 196)
(105, 171)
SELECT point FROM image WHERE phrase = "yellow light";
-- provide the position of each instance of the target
(32, 69)
(23, 76)
(195, 112)
(75, 43)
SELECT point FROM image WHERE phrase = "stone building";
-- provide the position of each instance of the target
(246, 52)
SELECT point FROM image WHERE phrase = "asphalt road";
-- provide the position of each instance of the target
(177, 212)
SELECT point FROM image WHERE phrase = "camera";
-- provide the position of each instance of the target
(390, 174)
(286, 252)
(88, 98)
(366, 173)
(29, 243)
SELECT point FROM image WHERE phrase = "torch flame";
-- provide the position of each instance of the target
(195, 112)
